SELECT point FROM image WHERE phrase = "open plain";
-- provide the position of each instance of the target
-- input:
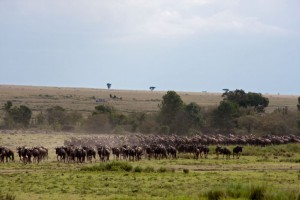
(271, 172)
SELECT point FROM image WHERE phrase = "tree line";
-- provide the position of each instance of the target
(239, 112)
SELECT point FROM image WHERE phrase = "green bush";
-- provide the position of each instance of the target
(137, 169)
(149, 169)
(162, 169)
(112, 166)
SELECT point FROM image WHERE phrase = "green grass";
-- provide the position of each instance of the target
(273, 171)
(152, 180)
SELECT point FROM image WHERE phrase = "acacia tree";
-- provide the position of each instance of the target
(16, 115)
(225, 115)
(169, 107)
(250, 99)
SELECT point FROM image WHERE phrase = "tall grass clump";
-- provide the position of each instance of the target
(215, 195)
(257, 193)
(149, 169)
(138, 169)
(111, 166)
(7, 197)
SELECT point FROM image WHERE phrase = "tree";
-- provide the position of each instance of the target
(17, 115)
(250, 99)
(249, 122)
(298, 106)
(169, 107)
(194, 114)
(108, 85)
(237, 96)
(103, 109)
(152, 88)
(56, 115)
(7, 106)
(226, 113)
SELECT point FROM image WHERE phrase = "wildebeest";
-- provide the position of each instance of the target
(6, 154)
(25, 154)
(116, 152)
(61, 153)
(104, 153)
(90, 153)
(172, 152)
(237, 151)
(80, 155)
(204, 150)
(223, 150)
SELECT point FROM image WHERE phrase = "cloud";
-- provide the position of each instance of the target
(156, 18)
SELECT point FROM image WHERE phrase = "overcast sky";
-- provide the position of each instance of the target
(181, 45)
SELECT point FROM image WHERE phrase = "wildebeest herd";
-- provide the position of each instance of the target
(136, 147)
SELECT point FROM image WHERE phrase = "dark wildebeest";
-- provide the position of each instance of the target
(237, 151)
(204, 150)
(80, 155)
(25, 154)
(149, 151)
(116, 152)
(138, 152)
(5, 154)
(223, 150)
(90, 153)
(61, 153)
(160, 152)
(172, 152)
(104, 153)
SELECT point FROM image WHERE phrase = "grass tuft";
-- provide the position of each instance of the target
(257, 193)
(215, 195)
(137, 169)
(112, 166)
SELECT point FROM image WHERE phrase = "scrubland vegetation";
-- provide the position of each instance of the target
(234, 111)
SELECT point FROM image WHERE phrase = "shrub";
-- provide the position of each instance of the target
(162, 170)
(186, 171)
(138, 169)
(149, 169)
(112, 166)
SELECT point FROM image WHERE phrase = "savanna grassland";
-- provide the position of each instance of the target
(84, 99)
(271, 172)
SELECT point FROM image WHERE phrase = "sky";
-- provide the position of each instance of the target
(181, 45)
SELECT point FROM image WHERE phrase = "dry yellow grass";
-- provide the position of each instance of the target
(83, 99)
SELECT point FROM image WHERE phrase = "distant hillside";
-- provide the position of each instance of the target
(85, 99)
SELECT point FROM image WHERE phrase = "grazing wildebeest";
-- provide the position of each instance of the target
(172, 152)
(223, 150)
(116, 152)
(6, 154)
(149, 152)
(196, 152)
(104, 153)
(138, 152)
(80, 155)
(237, 151)
(204, 150)
(160, 152)
(90, 153)
(25, 154)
